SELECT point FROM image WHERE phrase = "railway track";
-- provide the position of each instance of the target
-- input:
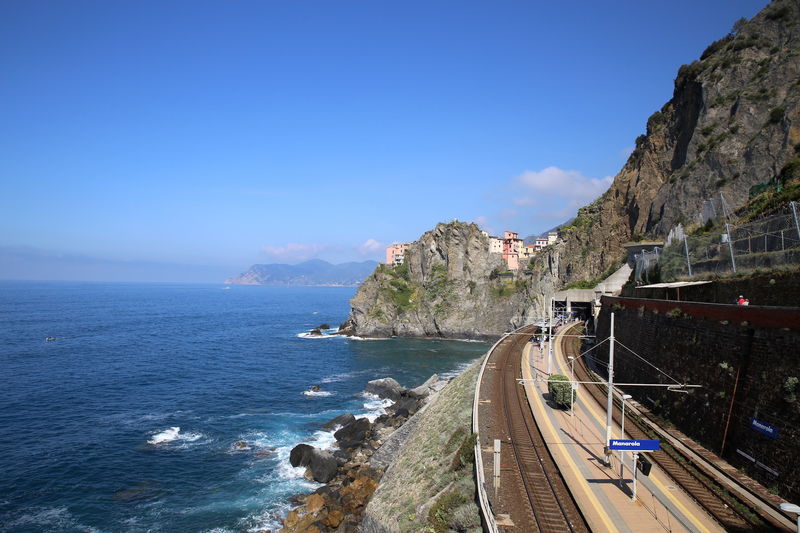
(543, 490)
(729, 511)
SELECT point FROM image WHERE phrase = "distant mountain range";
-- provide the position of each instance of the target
(309, 273)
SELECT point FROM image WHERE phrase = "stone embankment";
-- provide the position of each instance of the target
(365, 449)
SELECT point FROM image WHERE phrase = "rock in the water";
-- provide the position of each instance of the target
(324, 326)
(385, 388)
(315, 331)
(339, 421)
(241, 445)
(353, 434)
(299, 455)
(321, 464)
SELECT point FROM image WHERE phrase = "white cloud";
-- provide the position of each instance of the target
(553, 183)
(370, 247)
(294, 251)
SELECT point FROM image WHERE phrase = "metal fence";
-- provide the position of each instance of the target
(769, 243)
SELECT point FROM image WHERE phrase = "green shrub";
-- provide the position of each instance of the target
(442, 510)
(675, 313)
(789, 389)
(776, 115)
(560, 390)
(780, 13)
(790, 171)
(465, 455)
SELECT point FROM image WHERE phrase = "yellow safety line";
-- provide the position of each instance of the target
(690, 515)
(577, 475)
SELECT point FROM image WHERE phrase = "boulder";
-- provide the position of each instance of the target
(339, 421)
(315, 331)
(299, 456)
(324, 326)
(425, 388)
(408, 402)
(321, 464)
(385, 388)
(353, 434)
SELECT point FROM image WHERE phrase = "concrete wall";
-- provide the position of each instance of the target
(744, 358)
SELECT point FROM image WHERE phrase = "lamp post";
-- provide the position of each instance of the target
(792, 508)
(622, 436)
(572, 385)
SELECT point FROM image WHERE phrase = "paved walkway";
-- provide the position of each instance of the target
(577, 444)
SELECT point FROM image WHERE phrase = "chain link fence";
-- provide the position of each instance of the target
(770, 243)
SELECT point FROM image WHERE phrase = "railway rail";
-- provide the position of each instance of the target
(538, 499)
(731, 512)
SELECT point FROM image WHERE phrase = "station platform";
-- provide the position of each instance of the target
(577, 443)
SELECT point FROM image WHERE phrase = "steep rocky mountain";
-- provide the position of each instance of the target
(313, 272)
(449, 286)
(731, 126)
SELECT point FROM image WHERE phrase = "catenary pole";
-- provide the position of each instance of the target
(730, 245)
(550, 337)
(610, 391)
(686, 249)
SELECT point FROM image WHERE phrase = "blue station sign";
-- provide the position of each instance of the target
(635, 445)
(764, 428)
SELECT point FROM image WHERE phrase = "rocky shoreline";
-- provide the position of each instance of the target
(352, 472)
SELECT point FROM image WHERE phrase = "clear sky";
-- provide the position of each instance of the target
(185, 140)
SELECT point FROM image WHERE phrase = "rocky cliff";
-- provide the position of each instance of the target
(449, 286)
(731, 126)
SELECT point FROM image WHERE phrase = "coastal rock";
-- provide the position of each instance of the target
(427, 387)
(321, 465)
(353, 434)
(339, 421)
(385, 388)
(300, 454)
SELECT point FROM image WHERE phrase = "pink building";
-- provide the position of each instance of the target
(511, 248)
(396, 253)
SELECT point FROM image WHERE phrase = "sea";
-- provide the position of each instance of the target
(173, 407)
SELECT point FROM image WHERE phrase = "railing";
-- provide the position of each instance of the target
(483, 498)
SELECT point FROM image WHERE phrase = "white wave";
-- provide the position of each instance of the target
(167, 435)
(325, 334)
(338, 377)
(174, 434)
(456, 371)
(374, 405)
(49, 519)
(317, 393)
(323, 440)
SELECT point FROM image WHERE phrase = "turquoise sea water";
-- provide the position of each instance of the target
(133, 418)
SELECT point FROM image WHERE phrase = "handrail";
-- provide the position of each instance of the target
(486, 508)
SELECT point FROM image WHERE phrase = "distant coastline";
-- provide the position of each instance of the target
(313, 273)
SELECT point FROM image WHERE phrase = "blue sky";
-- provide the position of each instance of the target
(207, 136)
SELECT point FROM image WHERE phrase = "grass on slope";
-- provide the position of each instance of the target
(430, 486)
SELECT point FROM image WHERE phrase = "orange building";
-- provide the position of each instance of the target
(396, 253)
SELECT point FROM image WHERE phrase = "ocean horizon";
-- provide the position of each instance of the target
(173, 407)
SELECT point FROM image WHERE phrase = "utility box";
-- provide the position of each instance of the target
(644, 465)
